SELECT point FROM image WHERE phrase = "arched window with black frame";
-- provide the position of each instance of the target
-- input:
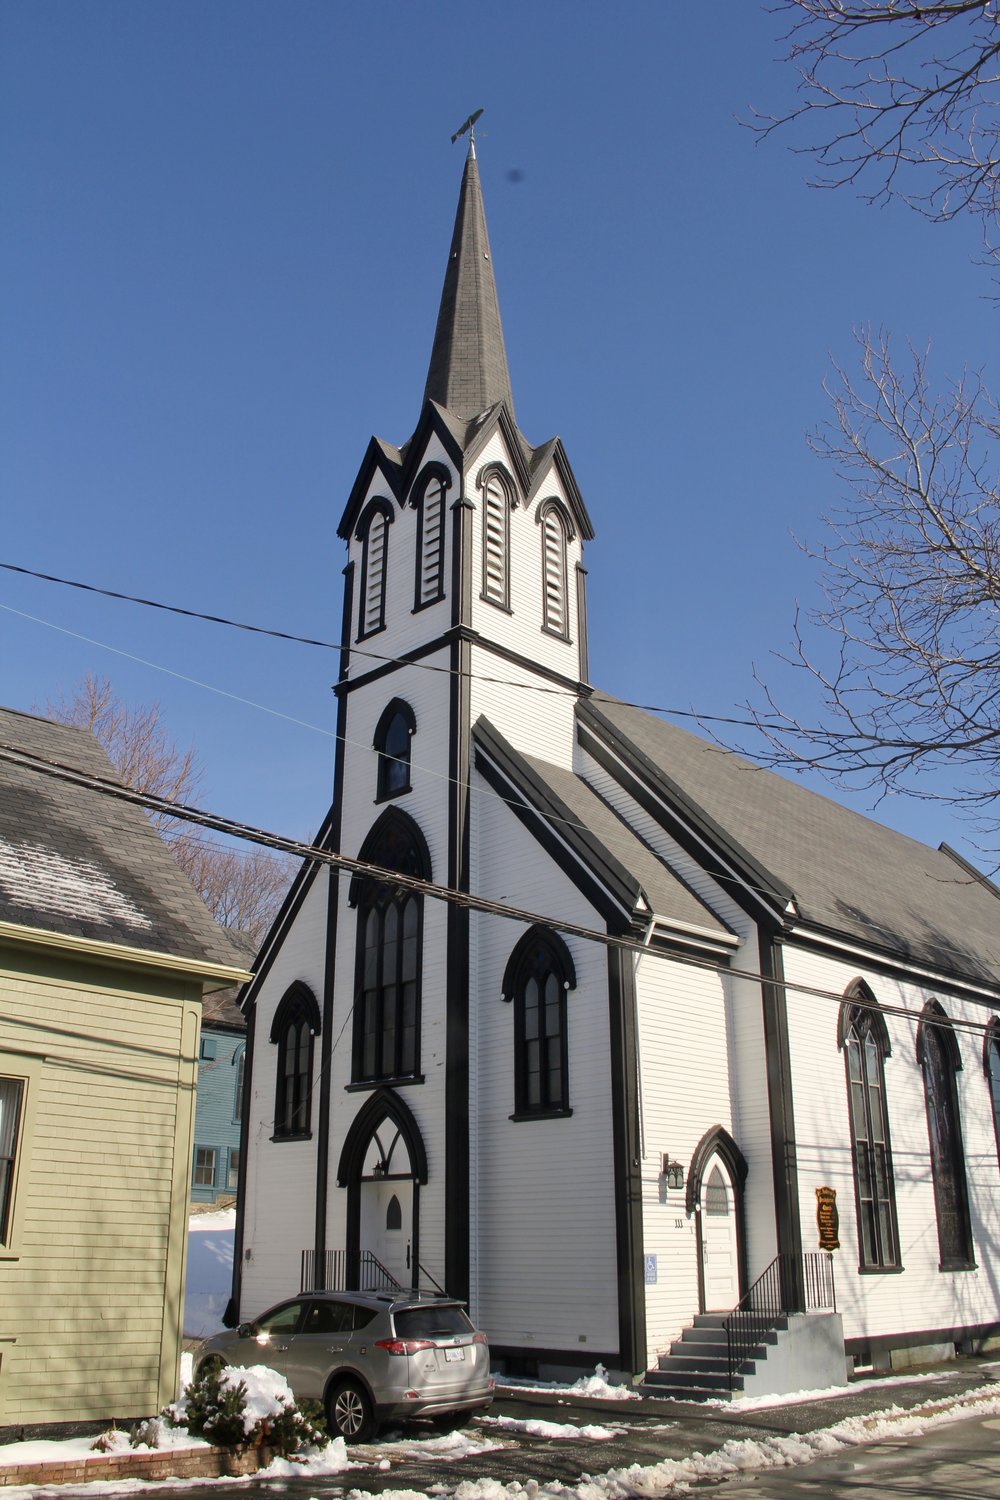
(940, 1060)
(428, 500)
(498, 499)
(372, 531)
(396, 727)
(538, 976)
(556, 532)
(294, 1029)
(991, 1067)
(389, 954)
(864, 1039)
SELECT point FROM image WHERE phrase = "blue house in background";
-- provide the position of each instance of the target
(215, 1161)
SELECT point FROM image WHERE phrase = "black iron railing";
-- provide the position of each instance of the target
(788, 1285)
(343, 1272)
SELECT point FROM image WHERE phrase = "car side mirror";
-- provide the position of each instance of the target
(246, 1330)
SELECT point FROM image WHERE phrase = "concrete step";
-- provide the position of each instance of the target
(713, 1380)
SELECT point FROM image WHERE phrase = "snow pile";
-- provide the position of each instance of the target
(267, 1393)
(537, 1428)
(209, 1272)
(588, 1385)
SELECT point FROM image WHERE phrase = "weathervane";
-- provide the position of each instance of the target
(469, 125)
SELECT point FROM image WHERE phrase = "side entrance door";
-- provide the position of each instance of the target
(719, 1247)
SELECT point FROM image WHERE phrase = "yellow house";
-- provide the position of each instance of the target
(105, 953)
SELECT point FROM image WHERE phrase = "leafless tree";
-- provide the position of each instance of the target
(905, 651)
(901, 98)
(242, 887)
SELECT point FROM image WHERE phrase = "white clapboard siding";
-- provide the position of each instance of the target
(536, 722)
(921, 1297)
(281, 1176)
(751, 1128)
(545, 1269)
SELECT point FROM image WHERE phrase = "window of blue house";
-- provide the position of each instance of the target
(204, 1166)
(233, 1174)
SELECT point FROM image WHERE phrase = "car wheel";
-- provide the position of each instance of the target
(349, 1412)
(210, 1366)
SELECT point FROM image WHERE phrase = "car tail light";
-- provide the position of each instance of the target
(403, 1346)
(480, 1338)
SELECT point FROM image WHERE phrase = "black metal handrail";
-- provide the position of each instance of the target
(369, 1272)
(787, 1285)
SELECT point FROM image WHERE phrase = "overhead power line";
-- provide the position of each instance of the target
(385, 658)
(58, 770)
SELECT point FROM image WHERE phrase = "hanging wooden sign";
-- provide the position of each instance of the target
(827, 1218)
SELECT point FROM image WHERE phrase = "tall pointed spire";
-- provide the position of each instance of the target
(468, 368)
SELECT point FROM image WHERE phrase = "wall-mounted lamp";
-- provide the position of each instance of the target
(673, 1172)
(379, 1169)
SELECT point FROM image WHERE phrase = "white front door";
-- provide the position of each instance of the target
(387, 1225)
(719, 1249)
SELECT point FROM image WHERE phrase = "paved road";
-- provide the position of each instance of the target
(959, 1461)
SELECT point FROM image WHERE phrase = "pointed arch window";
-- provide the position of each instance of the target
(373, 533)
(429, 503)
(497, 502)
(940, 1060)
(991, 1067)
(294, 1029)
(557, 532)
(538, 976)
(389, 955)
(865, 1042)
(393, 734)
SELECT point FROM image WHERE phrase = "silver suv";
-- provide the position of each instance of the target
(369, 1357)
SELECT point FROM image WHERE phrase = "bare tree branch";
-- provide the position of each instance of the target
(243, 888)
(905, 650)
(900, 98)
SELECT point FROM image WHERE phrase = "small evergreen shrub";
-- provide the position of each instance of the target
(218, 1407)
(212, 1409)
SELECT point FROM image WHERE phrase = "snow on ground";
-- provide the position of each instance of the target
(209, 1271)
(538, 1428)
(588, 1385)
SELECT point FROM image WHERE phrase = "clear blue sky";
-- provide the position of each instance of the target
(224, 235)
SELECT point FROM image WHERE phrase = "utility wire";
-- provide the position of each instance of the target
(487, 792)
(340, 646)
(367, 869)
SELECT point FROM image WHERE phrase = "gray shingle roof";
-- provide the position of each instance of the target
(845, 872)
(611, 849)
(79, 863)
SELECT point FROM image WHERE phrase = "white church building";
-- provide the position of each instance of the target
(737, 1044)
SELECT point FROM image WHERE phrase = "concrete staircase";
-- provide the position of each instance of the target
(697, 1367)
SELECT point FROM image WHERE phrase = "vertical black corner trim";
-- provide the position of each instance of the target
(627, 1165)
(462, 512)
(581, 621)
(457, 1193)
(784, 1160)
(233, 1310)
(329, 979)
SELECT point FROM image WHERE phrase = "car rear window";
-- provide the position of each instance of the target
(430, 1322)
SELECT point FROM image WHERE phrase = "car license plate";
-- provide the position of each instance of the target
(454, 1354)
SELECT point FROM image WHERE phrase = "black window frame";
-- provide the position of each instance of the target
(294, 1030)
(991, 1068)
(864, 1040)
(434, 475)
(388, 958)
(940, 1060)
(393, 778)
(495, 481)
(541, 960)
(379, 507)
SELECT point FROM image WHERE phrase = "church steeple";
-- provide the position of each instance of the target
(468, 369)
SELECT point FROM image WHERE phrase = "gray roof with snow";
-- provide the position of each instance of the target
(845, 872)
(77, 862)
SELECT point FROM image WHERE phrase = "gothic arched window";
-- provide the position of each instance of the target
(390, 926)
(538, 975)
(429, 503)
(991, 1067)
(865, 1040)
(393, 734)
(373, 533)
(556, 533)
(295, 1026)
(940, 1059)
(497, 502)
